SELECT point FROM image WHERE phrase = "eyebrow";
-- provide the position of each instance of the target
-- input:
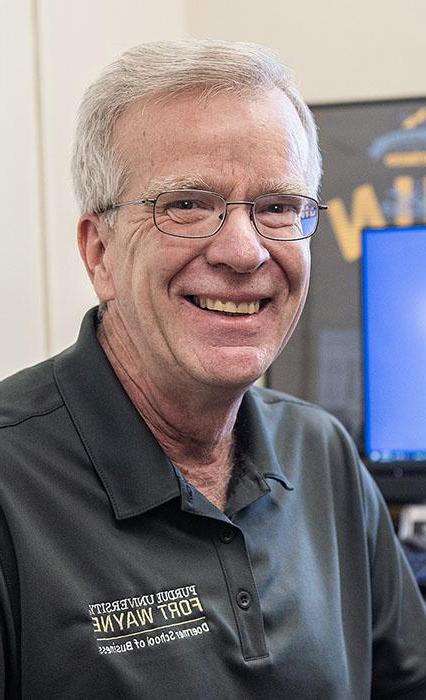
(166, 184)
(285, 185)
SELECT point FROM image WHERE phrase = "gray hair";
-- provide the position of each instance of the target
(162, 70)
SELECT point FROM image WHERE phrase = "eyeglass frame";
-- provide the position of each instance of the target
(153, 200)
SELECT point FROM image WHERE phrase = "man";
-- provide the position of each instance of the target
(167, 530)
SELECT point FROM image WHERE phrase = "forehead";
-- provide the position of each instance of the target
(217, 138)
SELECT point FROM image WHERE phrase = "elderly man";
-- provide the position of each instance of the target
(167, 530)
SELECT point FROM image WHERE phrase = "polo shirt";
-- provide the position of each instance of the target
(120, 580)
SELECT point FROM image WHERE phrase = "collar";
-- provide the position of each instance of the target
(135, 472)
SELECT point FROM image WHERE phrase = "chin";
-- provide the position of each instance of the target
(236, 367)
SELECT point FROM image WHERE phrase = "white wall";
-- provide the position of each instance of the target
(22, 294)
(340, 50)
(51, 49)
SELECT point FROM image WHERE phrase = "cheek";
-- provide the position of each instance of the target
(151, 273)
(302, 262)
(294, 261)
(166, 261)
(129, 261)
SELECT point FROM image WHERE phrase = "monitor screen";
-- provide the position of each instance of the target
(394, 347)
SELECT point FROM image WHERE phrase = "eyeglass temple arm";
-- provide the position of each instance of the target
(322, 207)
(130, 201)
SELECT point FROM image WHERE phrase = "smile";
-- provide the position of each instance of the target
(227, 307)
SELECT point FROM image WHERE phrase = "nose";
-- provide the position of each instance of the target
(237, 245)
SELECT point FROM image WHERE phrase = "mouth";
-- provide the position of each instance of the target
(231, 308)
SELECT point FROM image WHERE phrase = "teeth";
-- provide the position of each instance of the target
(228, 307)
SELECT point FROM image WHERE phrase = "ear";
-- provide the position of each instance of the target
(93, 239)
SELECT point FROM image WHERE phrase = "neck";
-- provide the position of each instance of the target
(196, 434)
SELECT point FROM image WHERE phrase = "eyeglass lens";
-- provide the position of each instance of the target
(198, 213)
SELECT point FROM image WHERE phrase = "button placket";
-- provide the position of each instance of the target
(243, 595)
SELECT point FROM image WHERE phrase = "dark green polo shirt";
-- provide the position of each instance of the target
(120, 580)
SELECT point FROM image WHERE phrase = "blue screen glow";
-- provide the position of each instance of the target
(394, 309)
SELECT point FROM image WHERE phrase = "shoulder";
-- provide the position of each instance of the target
(313, 448)
(29, 393)
(297, 416)
(272, 397)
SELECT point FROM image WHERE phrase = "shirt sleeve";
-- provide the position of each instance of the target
(398, 611)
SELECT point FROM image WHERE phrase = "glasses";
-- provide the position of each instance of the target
(201, 214)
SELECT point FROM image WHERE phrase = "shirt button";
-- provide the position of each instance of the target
(189, 493)
(227, 536)
(244, 600)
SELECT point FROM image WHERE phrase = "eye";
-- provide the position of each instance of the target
(194, 204)
(185, 204)
(278, 211)
(186, 208)
(279, 207)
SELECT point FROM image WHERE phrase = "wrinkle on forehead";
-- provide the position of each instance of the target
(148, 138)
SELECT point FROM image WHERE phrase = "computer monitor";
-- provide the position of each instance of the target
(393, 283)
